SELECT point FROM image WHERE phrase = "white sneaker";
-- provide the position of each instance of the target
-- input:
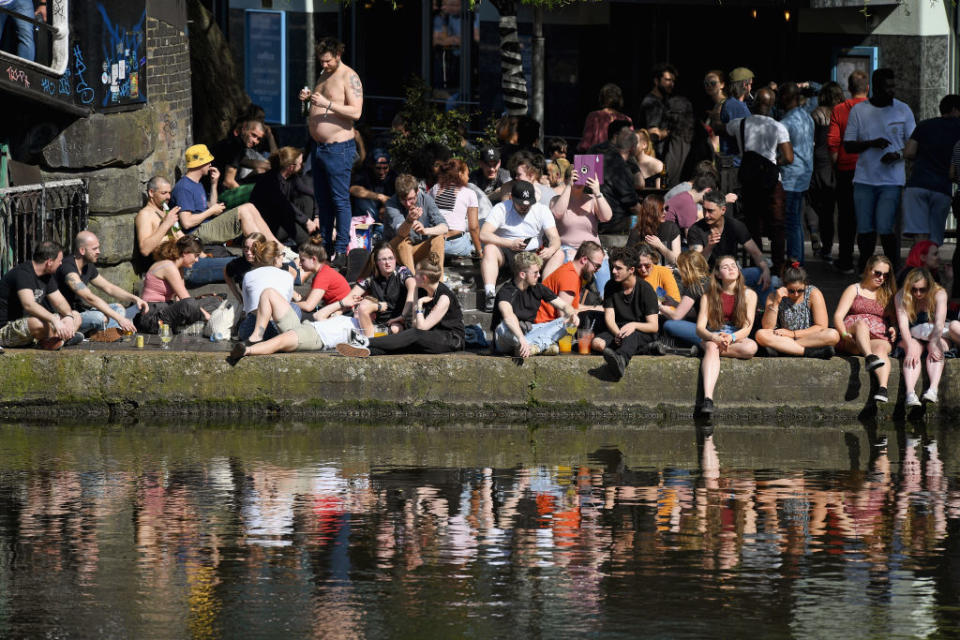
(358, 339)
(930, 395)
(290, 255)
(912, 399)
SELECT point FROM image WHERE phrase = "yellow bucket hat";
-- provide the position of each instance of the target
(197, 156)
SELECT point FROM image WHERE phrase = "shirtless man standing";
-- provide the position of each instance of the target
(335, 104)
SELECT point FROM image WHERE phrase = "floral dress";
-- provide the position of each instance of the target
(871, 312)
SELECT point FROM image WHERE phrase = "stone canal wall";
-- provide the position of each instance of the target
(463, 387)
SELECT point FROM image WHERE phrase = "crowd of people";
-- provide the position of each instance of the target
(696, 198)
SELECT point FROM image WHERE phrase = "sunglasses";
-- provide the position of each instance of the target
(596, 265)
(796, 291)
(711, 83)
(880, 274)
(920, 290)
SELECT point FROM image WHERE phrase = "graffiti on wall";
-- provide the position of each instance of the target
(124, 54)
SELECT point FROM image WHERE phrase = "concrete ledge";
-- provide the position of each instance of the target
(463, 386)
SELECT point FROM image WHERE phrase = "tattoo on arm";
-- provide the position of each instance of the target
(75, 282)
(356, 86)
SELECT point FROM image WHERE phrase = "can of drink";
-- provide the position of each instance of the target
(139, 341)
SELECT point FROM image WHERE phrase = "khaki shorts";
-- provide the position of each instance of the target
(221, 228)
(307, 337)
(16, 334)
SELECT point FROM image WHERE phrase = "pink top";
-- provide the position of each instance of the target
(681, 209)
(453, 204)
(577, 225)
(156, 289)
(595, 127)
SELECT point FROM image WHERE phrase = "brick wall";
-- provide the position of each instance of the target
(169, 95)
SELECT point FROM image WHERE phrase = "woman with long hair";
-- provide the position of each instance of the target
(654, 229)
(921, 310)
(437, 325)
(726, 318)
(167, 297)
(861, 317)
(681, 323)
(648, 177)
(795, 319)
(925, 254)
(595, 126)
(459, 205)
(388, 294)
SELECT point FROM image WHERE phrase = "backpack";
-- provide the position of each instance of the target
(756, 172)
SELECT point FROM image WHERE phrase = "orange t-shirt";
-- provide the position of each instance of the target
(663, 277)
(563, 280)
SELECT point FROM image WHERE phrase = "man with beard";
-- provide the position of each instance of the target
(653, 107)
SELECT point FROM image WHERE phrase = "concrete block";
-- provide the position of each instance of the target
(111, 190)
(121, 275)
(117, 237)
(103, 140)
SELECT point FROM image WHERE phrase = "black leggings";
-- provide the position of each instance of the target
(416, 341)
(177, 314)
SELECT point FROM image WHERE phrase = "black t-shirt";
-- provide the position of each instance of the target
(229, 152)
(734, 236)
(392, 290)
(525, 303)
(619, 187)
(667, 231)
(489, 186)
(237, 268)
(68, 266)
(641, 302)
(20, 277)
(452, 321)
(694, 293)
(366, 178)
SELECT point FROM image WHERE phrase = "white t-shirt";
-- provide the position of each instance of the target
(333, 331)
(764, 135)
(254, 282)
(894, 123)
(509, 224)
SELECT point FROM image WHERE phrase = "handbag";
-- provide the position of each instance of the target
(220, 324)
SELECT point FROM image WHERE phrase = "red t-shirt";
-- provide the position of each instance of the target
(334, 285)
(564, 279)
(838, 125)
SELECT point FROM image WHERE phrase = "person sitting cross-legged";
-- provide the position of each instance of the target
(514, 315)
(630, 312)
(795, 318)
(437, 320)
(726, 318)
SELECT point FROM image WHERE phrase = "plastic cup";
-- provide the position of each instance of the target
(566, 344)
(583, 345)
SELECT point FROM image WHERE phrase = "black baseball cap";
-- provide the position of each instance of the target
(490, 155)
(522, 192)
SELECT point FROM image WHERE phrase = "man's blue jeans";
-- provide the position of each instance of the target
(26, 47)
(876, 207)
(542, 335)
(793, 213)
(94, 320)
(751, 278)
(205, 271)
(332, 164)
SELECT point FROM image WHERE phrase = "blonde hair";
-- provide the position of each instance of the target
(693, 268)
(906, 292)
(649, 150)
(266, 252)
(284, 157)
(889, 287)
(525, 260)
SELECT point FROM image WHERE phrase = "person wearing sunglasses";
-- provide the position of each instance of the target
(861, 317)
(795, 319)
(921, 310)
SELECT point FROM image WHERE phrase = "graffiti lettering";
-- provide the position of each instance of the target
(84, 90)
(48, 86)
(64, 86)
(58, 8)
(18, 75)
(122, 50)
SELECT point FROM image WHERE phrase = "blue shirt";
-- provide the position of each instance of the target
(189, 196)
(796, 175)
(731, 110)
(396, 214)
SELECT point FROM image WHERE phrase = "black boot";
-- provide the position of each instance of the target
(866, 243)
(891, 248)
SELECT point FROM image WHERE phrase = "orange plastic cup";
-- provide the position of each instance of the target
(583, 345)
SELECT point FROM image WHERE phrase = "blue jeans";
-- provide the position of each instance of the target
(26, 47)
(925, 211)
(332, 164)
(205, 271)
(542, 335)
(793, 214)
(751, 278)
(462, 246)
(876, 207)
(93, 320)
(682, 330)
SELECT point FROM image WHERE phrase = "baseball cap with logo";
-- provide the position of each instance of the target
(490, 155)
(522, 192)
(197, 156)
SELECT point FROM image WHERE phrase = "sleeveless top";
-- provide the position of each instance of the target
(156, 289)
(729, 304)
(796, 316)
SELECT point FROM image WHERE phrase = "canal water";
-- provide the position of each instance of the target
(478, 531)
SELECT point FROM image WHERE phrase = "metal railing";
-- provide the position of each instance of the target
(33, 213)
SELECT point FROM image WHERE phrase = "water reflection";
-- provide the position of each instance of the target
(352, 531)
